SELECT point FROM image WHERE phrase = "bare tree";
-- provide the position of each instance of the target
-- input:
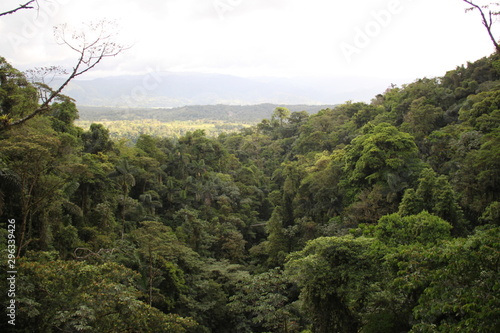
(92, 44)
(27, 5)
(487, 18)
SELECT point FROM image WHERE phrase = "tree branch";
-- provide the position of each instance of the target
(25, 6)
(487, 24)
(91, 53)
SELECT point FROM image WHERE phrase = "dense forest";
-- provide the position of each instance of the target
(130, 123)
(132, 129)
(366, 217)
(220, 112)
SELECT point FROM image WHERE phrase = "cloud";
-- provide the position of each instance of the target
(259, 37)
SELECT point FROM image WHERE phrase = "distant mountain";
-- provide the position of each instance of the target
(179, 89)
(219, 112)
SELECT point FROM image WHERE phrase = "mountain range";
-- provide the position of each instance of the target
(220, 112)
(166, 90)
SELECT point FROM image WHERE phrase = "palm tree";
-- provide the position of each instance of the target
(124, 174)
(150, 201)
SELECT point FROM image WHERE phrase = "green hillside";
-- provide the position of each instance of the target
(226, 113)
(130, 123)
(363, 217)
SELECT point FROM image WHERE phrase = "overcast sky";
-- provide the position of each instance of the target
(393, 39)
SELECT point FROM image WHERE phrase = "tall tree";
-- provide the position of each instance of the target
(124, 175)
(335, 274)
(72, 296)
(281, 113)
(31, 156)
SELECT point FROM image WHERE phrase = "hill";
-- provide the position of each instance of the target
(379, 217)
(226, 113)
(130, 123)
(166, 90)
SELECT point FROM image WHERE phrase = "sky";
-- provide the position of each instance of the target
(394, 40)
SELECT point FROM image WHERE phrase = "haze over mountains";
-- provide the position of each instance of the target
(165, 90)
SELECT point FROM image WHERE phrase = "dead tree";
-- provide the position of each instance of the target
(92, 44)
(487, 18)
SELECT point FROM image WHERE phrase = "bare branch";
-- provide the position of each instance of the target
(84, 253)
(27, 5)
(92, 45)
(488, 23)
(40, 74)
(42, 77)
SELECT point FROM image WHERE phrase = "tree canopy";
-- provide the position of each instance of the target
(364, 217)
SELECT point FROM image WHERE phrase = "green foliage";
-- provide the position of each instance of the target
(130, 129)
(282, 114)
(435, 195)
(424, 228)
(67, 295)
(482, 112)
(97, 140)
(464, 294)
(381, 154)
(277, 243)
(379, 217)
(17, 96)
(334, 275)
(268, 299)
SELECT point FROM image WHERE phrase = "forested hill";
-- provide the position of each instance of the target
(226, 113)
(365, 217)
(158, 89)
(130, 123)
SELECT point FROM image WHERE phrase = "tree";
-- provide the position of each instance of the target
(31, 157)
(435, 195)
(96, 140)
(16, 94)
(124, 175)
(194, 230)
(378, 166)
(92, 45)
(281, 113)
(277, 244)
(268, 300)
(383, 154)
(424, 228)
(478, 178)
(486, 18)
(400, 243)
(422, 118)
(335, 274)
(156, 244)
(70, 296)
(463, 295)
(482, 111)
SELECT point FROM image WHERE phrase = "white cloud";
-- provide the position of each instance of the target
(258, 37)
